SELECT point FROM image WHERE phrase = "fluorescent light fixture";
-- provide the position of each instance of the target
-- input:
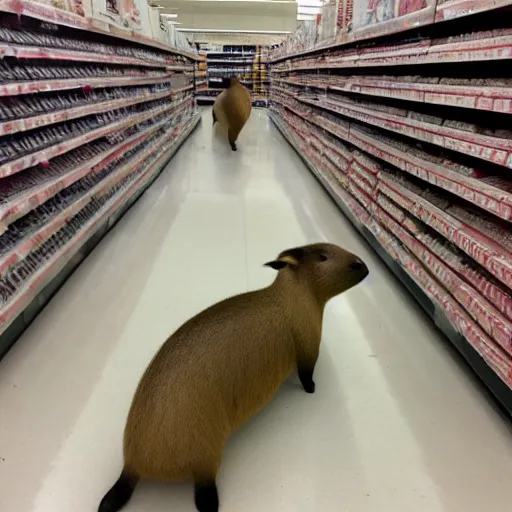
(309, 10)
(166, 15)
(227, 31)
(310, 3)
(306, 17)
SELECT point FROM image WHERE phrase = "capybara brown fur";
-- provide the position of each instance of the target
(232, 108)
(224, 365)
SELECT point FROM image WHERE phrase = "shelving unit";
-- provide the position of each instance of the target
(88, 120)
(409, 132)
(249, 64)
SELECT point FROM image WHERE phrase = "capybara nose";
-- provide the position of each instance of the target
(359, 267)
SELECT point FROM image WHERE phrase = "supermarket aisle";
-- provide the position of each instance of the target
(397, 422)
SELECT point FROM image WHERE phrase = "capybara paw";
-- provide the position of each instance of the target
(309, 387)
(206, 498)
(306, 379)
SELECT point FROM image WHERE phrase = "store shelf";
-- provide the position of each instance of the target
(452, 9)
(73, 160)
(422, 162)
(39, 53)
(485, 97)
(444, 11)
(38, 86)
(26, 200)
(483, 49)
(246, 62)
(475, 244)
(43, 156)
(51, 14)
(487, 195)
(492, 149)
(492, 256)
(234, 54)
(210, 100)
(487, 359)
(30, 123)
(252, 71)
(491, 193)
(41, 279)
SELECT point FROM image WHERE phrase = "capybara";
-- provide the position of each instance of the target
(224, 365)
(232, 108)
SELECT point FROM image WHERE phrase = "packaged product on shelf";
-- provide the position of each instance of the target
(491, 192)
(157, 24)
(387, 16)
(496, 357)
(500, 233)
(80, 7)
(345, 13)
(111, 12)
(360, 191)
(424, 247)
(327, 29)
(368, 168)
(432, 209)
(390, 207)
(358, 175)
(137, 12)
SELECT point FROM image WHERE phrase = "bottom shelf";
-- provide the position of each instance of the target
(498, 388)
(57, 270)
(210, 100)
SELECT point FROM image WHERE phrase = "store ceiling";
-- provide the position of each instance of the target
(234, 15)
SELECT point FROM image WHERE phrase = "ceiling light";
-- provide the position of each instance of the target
(306, 17)
(227, 31)
(165, 15)
(309, 10)
(310, 3)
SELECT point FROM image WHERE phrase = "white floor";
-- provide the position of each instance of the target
(397, 423)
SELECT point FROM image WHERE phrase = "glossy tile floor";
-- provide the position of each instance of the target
(397, 424)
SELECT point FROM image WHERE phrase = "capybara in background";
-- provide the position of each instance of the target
(224, 365)
(232, 108)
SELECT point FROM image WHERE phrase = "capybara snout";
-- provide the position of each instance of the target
(359, 270)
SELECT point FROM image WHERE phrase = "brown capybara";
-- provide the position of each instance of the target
(232, 108)
(224, 365)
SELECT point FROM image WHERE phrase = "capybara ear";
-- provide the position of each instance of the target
(291, 258)
(276, 264)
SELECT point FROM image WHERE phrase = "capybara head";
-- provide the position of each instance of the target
(326, 269)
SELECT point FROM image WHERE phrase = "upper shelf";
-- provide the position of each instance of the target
(39, 52)
(480, 47)
(50, 14)
(445, 11)
(35, 86)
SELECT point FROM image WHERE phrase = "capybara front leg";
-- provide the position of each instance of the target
(232, 140)
(306, 366)
(205, 487)
(206, 496)
(306, 379)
